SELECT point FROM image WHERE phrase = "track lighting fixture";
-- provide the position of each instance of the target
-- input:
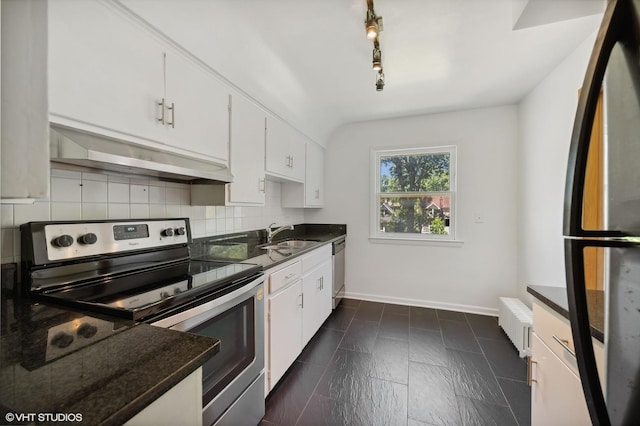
(373, 25)
(377, 56)
(380, 81)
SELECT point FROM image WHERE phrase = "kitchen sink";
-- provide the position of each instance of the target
(296, 244)
(290, 245)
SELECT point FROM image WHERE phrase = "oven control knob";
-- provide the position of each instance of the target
(167, 232)
(89, 238)
(87, 330)
(180, 231)
(62, 241)
(62, 340)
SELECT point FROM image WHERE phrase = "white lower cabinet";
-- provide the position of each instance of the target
(316, 290)
(556, 389)
(298, 302)
(556, 394)
(285, 317)
(180, 405)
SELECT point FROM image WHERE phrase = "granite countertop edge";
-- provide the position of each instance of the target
(127, 386)
(148, 397)
(556, 299)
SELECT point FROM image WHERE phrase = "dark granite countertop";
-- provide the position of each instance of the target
(245, 246)
(556, 299)
(108, 377)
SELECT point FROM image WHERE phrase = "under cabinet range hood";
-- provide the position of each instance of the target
(71, 146)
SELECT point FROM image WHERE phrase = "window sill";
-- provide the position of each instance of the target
(416, 241)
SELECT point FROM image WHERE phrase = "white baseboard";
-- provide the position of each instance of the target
(470, 309)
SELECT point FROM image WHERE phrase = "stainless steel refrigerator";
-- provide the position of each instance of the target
(609, 245)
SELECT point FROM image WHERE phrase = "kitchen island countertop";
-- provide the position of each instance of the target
(107, 377)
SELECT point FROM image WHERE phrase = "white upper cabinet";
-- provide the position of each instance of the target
(110, 74)
(314, 180)
(285, 151)
(24, 142)
(311, 194)
(105, 72)
(247, 153)
(197, 109)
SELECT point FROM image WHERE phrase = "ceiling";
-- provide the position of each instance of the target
(309, 61)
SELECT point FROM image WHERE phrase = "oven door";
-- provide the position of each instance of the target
(237, 320)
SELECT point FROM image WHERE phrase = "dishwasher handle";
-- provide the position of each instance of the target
(338, 246)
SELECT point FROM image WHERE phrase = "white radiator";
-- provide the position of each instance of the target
(516, 320)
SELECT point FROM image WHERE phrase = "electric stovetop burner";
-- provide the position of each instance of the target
(102, 273)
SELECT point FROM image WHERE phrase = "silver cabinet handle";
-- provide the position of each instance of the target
(565, 345)
(292, 161)
(293, 274)
(302, 301)
(317, 194)
(172, 108)
(261, 185)
(161, 105)
(530, 379)
(288, 162)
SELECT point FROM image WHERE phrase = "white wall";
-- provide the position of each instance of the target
(546, 118)
(470, 277)
(88, 196)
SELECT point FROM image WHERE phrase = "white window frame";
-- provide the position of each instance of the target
(375, 233)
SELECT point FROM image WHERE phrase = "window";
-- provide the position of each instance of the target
(414, 193)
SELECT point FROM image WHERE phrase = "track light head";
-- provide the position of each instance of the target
(380, 81)
(377, 57)
(371, 25)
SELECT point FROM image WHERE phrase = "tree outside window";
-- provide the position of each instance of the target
(414, 193)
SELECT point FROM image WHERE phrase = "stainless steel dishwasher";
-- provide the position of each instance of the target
(338, 271)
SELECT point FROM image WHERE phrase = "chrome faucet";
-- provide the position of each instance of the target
(272, 233)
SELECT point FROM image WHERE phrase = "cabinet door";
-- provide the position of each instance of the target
(105, 72)
(314, 176)
(24, 141)
(556, 394)
(297, 148)
(285, 151)
(247, 152)
(316, 288)
(278, 158)
(285, 335)
(200, 113)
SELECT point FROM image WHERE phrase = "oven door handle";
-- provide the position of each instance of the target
(184, 321)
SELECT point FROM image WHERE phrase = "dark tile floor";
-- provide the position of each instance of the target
(381, 364)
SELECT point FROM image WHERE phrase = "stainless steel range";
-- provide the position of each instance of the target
(141, 270)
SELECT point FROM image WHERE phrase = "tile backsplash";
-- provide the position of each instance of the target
(90, 196)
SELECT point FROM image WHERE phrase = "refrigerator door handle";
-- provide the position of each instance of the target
(581, 331)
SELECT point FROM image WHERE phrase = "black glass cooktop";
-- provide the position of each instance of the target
(142, 295)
